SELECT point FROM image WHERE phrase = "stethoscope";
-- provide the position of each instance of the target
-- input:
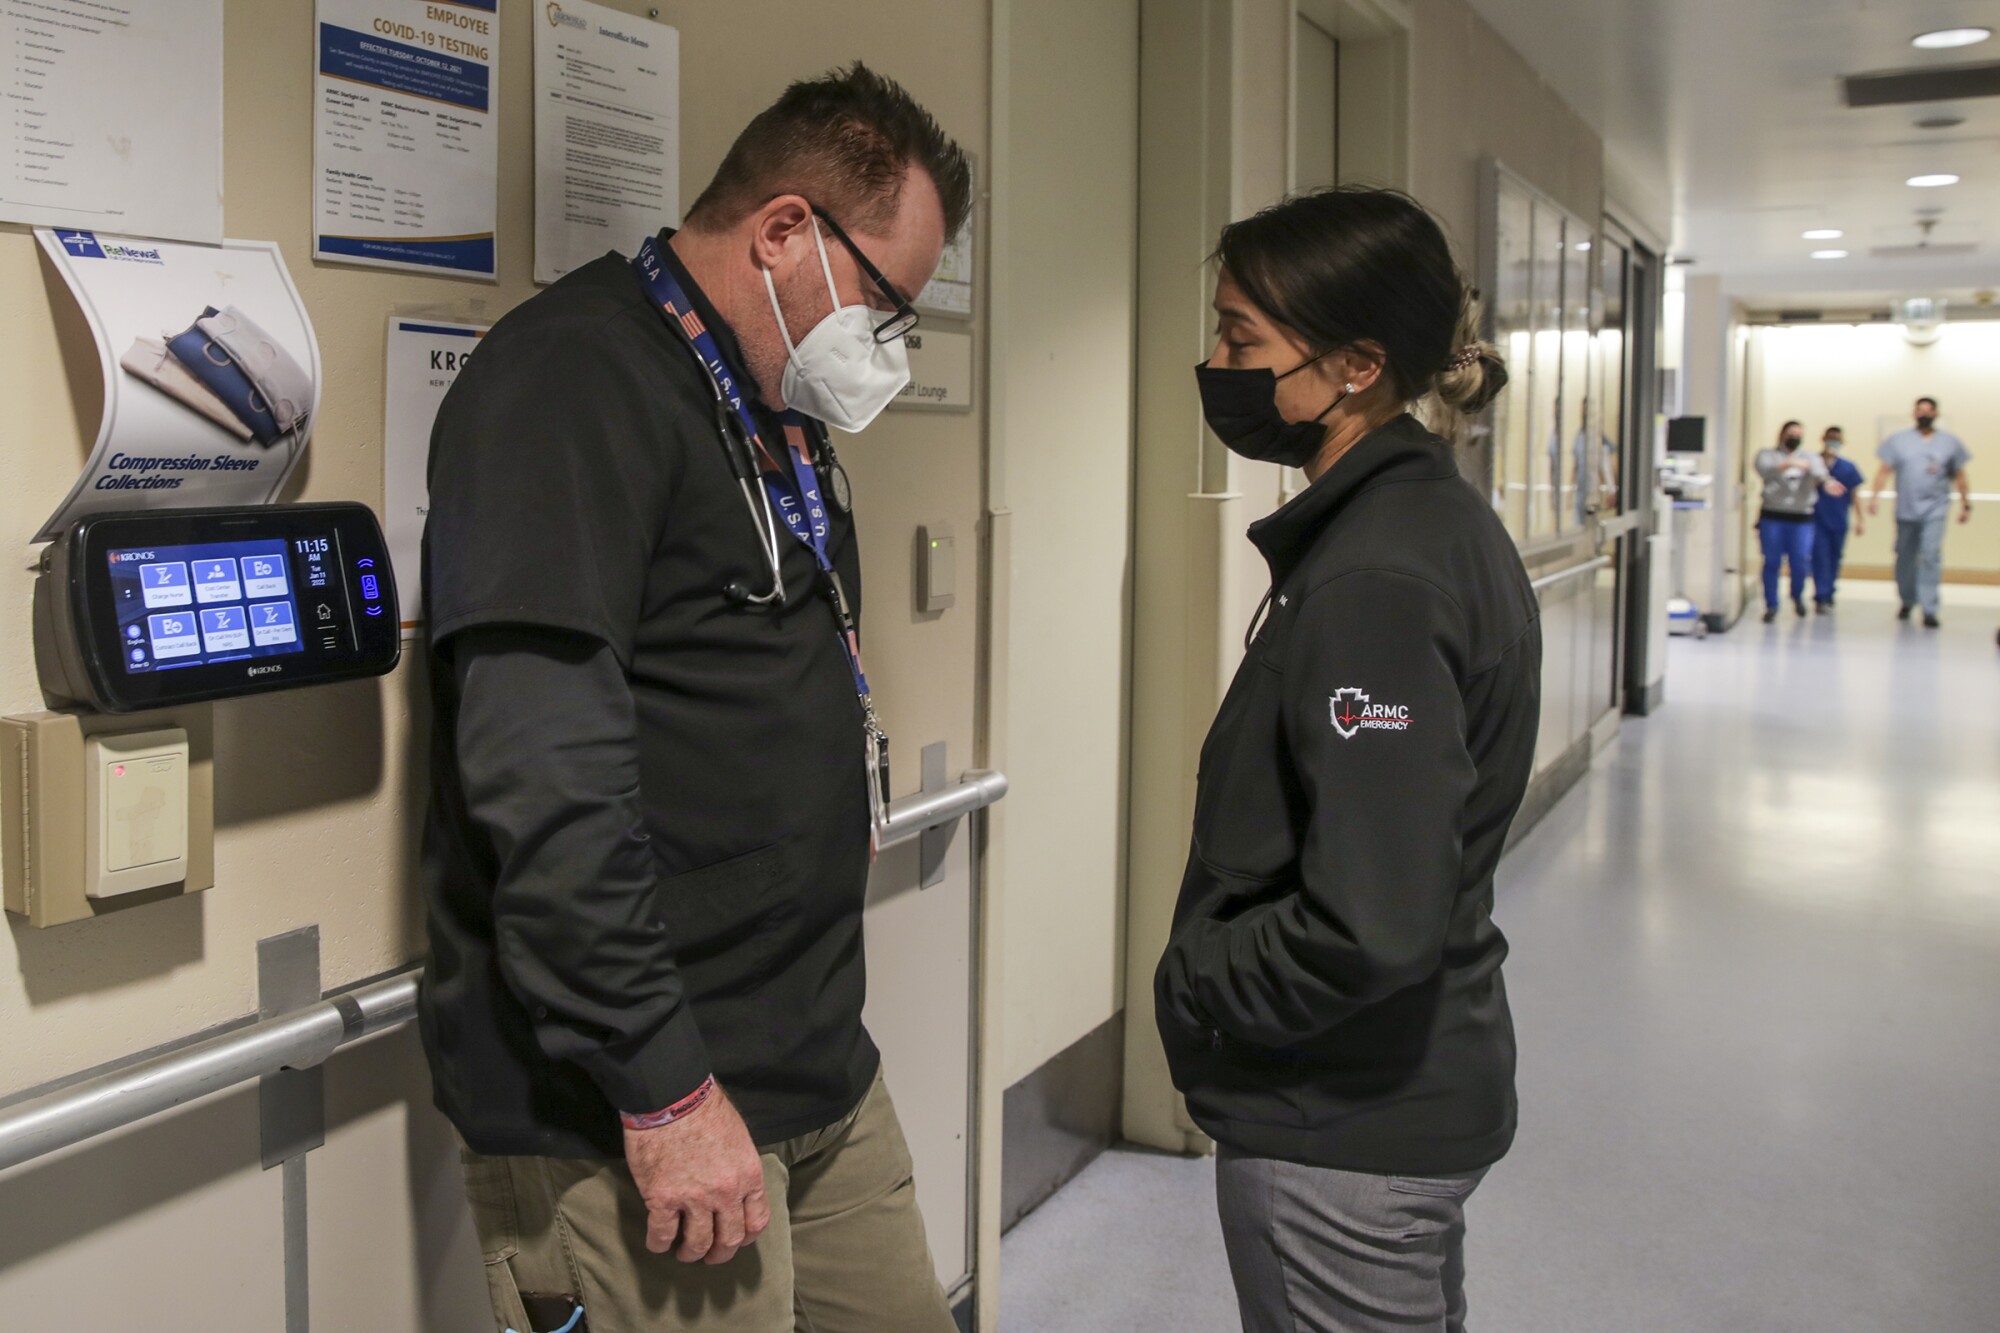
(742, 455)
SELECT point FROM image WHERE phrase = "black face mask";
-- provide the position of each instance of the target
(1793, 441)
(1242, 409)
(1926, 422)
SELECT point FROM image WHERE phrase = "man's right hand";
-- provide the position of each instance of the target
(703, 1183)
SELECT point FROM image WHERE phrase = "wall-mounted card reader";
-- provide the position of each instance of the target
(136, 804)
(937, 568)
(105, 813)
(151, 609)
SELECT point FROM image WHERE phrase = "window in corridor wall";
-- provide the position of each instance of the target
(1539, 268)
(1510, 308)
(1576, 498)
(1545, 367)
(1611, 352)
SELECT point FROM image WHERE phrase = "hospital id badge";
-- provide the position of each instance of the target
(878, 786)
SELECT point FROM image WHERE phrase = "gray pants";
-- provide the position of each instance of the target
(1920, 561)
(1320, 1251)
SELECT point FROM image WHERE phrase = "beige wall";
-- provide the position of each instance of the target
(1864, 378)
(1062, 469)
(1474, 97)
(317, 791)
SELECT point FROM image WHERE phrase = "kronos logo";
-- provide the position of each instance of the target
(558, 19)
(265, 670)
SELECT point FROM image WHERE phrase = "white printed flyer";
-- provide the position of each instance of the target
(607, 133)
(425, 357)
(949, 292)
(111, 116)
(211, 372)
(406, 134)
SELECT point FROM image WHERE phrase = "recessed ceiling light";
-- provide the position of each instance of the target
(1583, 245)
(1945, 38)
(1829, 254)
(1824, 234)
(1931, 182)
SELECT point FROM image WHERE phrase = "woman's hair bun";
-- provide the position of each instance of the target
(1476, 372)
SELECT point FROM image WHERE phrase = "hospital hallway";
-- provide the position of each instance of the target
(1756, 982)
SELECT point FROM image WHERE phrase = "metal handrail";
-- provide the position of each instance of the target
(124, 1095)
(1587, 567)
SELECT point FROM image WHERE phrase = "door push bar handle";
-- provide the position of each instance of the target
(914, 815)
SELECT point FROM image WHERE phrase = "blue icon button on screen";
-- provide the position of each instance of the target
(215, 581)
(225, 630)
(174, 635)
(272, 625)
(371, 588)
(166, 585)
(264, 576)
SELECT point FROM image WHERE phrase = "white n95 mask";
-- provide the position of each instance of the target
(838, 372)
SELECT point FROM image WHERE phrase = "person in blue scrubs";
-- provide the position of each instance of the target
(1830, 517)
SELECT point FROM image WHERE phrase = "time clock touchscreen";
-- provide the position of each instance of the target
(182, 606)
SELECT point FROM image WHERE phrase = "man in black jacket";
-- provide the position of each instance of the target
(648, 842)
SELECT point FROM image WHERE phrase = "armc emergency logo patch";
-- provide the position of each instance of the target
(1353, 712)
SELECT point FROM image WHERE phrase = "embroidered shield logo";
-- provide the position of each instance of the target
(1347, 706)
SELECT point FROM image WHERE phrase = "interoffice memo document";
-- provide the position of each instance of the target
(406, 134)
(607, 133)
(111, 117)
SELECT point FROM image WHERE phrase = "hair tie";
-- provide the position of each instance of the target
(1467, 356)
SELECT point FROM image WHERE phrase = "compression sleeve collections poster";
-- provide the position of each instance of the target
(406, 134)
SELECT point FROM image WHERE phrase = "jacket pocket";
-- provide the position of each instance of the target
(724, 920)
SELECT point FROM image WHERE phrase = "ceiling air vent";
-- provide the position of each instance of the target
(1932, 83)
(1956, 251)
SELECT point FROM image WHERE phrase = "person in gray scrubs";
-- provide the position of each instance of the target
(1927, 463)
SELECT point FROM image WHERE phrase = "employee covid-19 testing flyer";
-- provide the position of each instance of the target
(406, 134)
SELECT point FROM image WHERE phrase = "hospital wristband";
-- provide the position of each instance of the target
(680, 1110)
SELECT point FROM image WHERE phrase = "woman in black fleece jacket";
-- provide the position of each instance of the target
(1330, 999)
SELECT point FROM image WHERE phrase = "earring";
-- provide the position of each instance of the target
(1350, 388)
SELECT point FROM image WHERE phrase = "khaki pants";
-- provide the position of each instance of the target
(845, 1252)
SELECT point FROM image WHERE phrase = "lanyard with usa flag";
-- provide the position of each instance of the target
(795, 492)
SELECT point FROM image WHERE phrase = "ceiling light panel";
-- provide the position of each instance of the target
(1945, 39)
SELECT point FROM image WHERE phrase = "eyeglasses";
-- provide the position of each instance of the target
(905, 317)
